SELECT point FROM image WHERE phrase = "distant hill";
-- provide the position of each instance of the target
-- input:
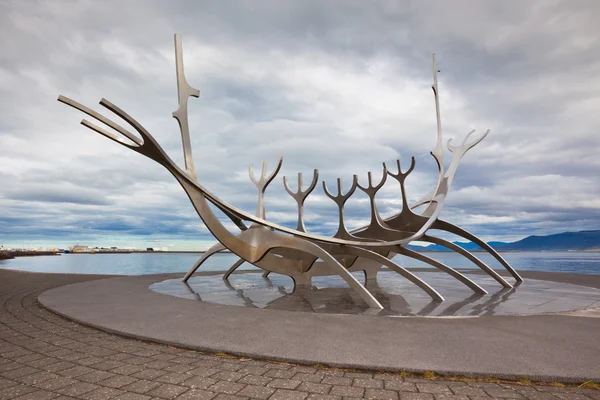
(584, 240)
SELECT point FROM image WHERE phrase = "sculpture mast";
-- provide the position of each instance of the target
(438, 152)
(184, 91)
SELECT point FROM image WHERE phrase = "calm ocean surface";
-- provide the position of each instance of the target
(155, 263)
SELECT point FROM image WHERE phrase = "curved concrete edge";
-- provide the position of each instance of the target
(541, 348)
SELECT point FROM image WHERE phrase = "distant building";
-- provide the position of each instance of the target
(149, 249)
(80, 249)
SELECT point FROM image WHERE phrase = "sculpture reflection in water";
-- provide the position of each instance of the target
(297, 253)
(328, 295)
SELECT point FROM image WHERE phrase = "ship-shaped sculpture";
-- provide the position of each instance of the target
(296, 252)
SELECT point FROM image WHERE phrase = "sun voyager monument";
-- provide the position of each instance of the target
(297, 253)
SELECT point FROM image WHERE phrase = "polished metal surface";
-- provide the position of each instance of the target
(297, 253)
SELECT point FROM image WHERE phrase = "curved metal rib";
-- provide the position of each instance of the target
(300, 196)
(443, 267)
(448, 227)
(317, 251)
(359, 252)
(235, 266)
(214, 249)
(468, 255)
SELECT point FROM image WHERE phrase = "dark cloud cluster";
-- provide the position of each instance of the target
(341, 86)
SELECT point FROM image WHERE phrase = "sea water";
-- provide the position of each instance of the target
(156, 263)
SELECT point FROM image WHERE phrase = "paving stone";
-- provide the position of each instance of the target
(95, 376)
(228, 366)
(228, 376)
(253, 370)
(433, 388)
(347, 391)
(223, 396)
(301, 376)
(107, 365)
(126, 369)
(117, 381)
(36, 378)
(284, 383)
(567, 395)
(368, 383)
(416, 396)
(317, 396)
(594, 394)
(141, 386)
(75, 371)
(445, 396)
(172, 377)
(181, 368)
(101, 393)
(381, 394)
(197, 394)
(198, 382)
(312, 387)
(90, 360)
(256, 392)
(400, 386)
(54, 384)
(329, 372)
(468, 391)
(39, 395)
(284, 394)
(203, 371)
(335, 380)
(77, 389)
(281, 374)
(167, 391)
(59, 366)
(226, 387)
(15, 391)
(19, 372)
(360, 375)
(506, 393)
(533, 394)
(131, 396)
(4, 383)
(255, 380)
(280, 366)
(149, 374)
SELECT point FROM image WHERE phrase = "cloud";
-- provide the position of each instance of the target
(340, 86)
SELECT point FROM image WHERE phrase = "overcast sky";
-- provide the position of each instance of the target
(341, 86)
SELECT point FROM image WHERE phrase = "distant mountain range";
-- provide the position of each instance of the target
(582, 241)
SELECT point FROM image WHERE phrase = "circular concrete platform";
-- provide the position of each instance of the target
(541, 347)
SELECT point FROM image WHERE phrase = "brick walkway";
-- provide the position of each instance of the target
(43, 356)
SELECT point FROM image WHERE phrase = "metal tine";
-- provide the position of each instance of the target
(101, 118)
(341, 198)
(464, 147)
(401, 176)
(373, 189)
(264, 180)
(300, 194)
(107, 134)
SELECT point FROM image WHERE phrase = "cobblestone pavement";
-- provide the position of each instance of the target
(43, 356)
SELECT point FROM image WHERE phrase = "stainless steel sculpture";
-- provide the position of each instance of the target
(296, 252)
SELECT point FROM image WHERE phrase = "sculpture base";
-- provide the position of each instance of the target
(540, 347)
